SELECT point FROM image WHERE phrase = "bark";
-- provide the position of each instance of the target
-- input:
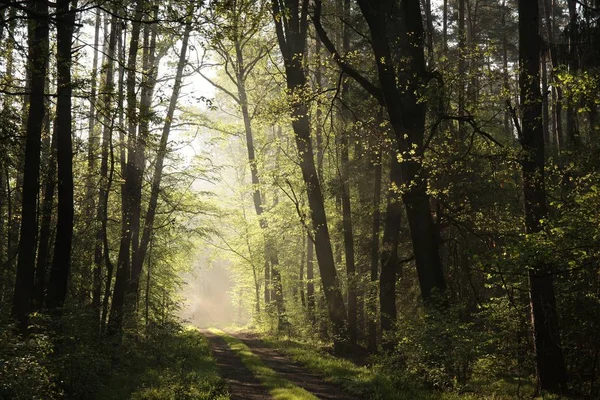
(140, 255)
(573, 64)
(43, 255)
(345, 196)
(101, 256)
(93, 145)
(389, 252)
(549, 357)
(150, 68)
(38, 53)
(123, 273)
(61, 262)
(310, 280)
(292, 43)
(372, 312)
(462, 67)
(407, 116)
(557, 95)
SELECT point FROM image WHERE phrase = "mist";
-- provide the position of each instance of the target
(207, 296)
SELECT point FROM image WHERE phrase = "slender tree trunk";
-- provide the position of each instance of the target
(372, 312)
(123, 273)
(549, 357)
(292, 45)
(572, 132)
(93, 145)
(43, 256)
(310, 280)
(140, 255)
(101, 255)
(61, 263)
(38, 53)
(557, 95)
(148, 84)
(345, 197)
(406, 111)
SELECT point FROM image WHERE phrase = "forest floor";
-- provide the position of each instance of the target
(257, 367)
(254, 370)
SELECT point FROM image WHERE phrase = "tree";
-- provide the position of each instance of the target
(38, 53)
(291, 25)
(61, 263)
(549, 356)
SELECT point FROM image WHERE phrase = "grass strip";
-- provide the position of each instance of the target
(369, 383)
(279, 387)
(182, 369)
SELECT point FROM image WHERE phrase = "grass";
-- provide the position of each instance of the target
(176, 366)
(280, 388)
(374, 382)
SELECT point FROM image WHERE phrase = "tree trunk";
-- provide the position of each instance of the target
(101, 255)
(549, 357)
(61, 263)
(38, 54)
(406, 111)
(310, 279)
(292, 44)
(345, 196)
(123, 273)
(140, 255)
(43, 256)
(150, 68)
(372, 312)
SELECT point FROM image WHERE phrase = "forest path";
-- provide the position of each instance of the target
(242, 383)
(240, 378)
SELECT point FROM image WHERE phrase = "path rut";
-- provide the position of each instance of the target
(241, 379)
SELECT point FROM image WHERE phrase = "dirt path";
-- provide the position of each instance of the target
(240, 378)
(243, 385)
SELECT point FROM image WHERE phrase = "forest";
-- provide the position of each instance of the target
(299, 199)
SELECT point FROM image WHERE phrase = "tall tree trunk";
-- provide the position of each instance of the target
(38, 54)
(406, 111)
(292, 43)
(43, 256)
(150, 68)
(557, 94)
(140, 255)
(389, 252)
(61, 263)
(549, 357)
(270, 247)
(123, 273)
(93, 145)
(462, 68)
(345, 195)
(310, 280)
(101, 256)
(372, 312)
(573, 64)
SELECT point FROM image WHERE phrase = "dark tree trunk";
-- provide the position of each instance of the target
(38, 53)
(406, 111)
(43, 256)
(140, 255)
(292, 43)
(372, 339)
(549, 357)
(150, 68)
(389, 252)
(123, 273)
(345, 196)
(310, 280)
(101, 207)
(61, 262)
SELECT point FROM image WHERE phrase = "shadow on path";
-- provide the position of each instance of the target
(243, 385)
